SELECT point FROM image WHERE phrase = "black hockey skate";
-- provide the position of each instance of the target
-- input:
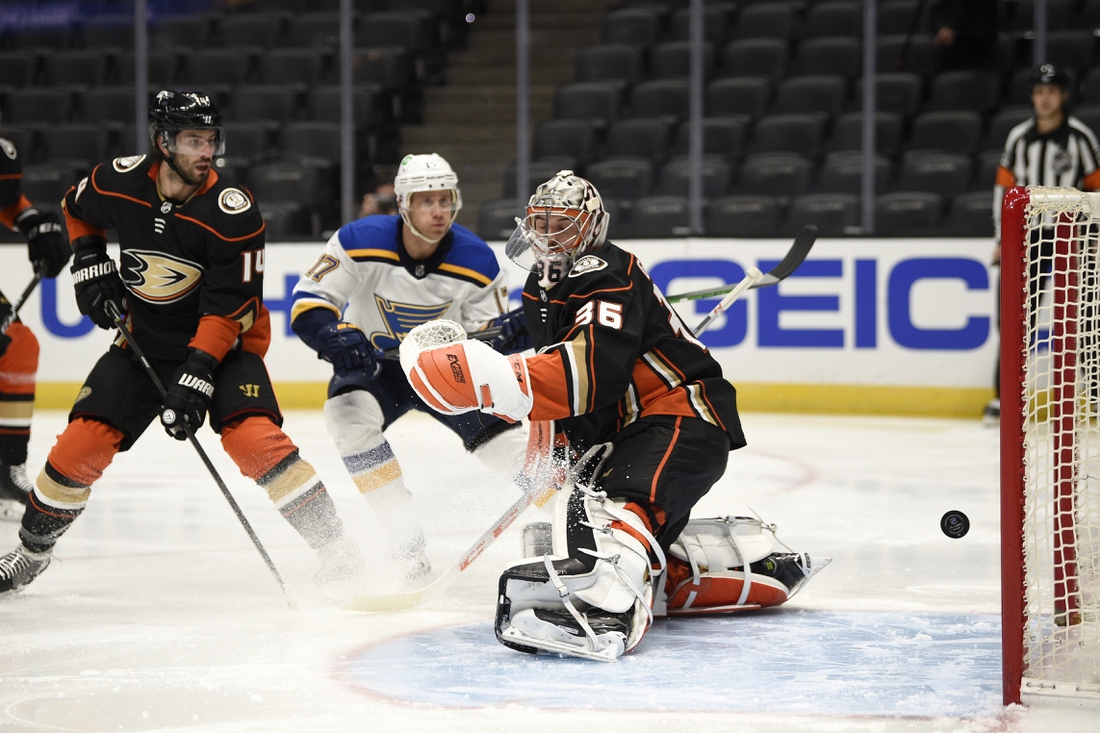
(21, 566)
(14, 489)
(792, 569)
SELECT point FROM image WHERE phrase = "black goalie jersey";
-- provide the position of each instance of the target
(181, 261)
(611, 350)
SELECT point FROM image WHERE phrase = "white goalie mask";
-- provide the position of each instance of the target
(424, 173)
(565, 218)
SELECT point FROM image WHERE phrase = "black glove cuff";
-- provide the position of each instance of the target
(203, 359)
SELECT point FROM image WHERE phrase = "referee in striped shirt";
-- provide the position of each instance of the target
(1052, 148)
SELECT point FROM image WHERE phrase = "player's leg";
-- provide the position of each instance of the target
(114, 406)
(246, 415)
(18, 367)
(606, 538)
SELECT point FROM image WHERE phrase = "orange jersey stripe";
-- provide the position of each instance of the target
(215, 335)
(664, 460)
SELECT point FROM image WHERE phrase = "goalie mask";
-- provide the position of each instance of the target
(425, 173)
(564, 220)
(174, 111)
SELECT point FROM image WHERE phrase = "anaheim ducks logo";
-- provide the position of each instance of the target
(8, 148)
(159, 278)
(588, 263)
(127, 164)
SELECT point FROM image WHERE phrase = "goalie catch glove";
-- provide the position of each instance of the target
(188, 398)
(96, 281)
(461, 376)
(46, 247)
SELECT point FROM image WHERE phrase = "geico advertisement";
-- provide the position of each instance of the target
(915, 312)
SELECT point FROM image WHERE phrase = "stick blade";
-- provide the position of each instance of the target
(795, 256)
(388, 602)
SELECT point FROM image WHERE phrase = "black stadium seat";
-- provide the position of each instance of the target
(610, 62)
(572, 139)
(907, 213)
(660, 97)
(747, 96)
(658, 217)
(743, 216)
(647, 137)
(496, 220)
(623, 179)
(944, 173)
(636, 26)
(834, 214)
(842, 172)
(809, 94)
(599, 101)
(949, 132)
(675, 178)
(783, 175)
(803, 134)
(755, 57)
(721, 136)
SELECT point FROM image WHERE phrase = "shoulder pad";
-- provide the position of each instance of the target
(8, 147)
(588, 263)
(127, 164)
(234, 201)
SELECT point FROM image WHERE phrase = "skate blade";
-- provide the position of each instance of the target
(733, 608)
(609, 653)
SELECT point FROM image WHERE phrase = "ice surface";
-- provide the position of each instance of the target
(158, 614)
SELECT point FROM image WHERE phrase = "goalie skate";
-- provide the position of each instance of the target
(557, 632)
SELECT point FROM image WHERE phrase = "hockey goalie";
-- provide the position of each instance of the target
(631, 417)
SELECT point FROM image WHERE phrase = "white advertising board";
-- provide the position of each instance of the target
(911, 313)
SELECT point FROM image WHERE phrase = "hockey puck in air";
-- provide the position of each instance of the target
(955, 524)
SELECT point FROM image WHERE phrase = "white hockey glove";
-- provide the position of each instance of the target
(467, 375)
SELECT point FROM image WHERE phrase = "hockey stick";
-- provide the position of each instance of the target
(485, 334)
(128, 335)
(19, 303)
(794, 257)
(755, 279)
(405, 601)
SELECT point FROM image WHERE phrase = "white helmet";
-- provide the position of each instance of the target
(550, 248)
(424, 173)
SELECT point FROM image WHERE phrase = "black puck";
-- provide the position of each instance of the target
(955, 524)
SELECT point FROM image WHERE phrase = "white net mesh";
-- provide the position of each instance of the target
(427, 336)
(1061, 533)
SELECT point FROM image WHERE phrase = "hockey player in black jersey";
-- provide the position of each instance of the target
(647, 421)
(190, 279)
(48, 252)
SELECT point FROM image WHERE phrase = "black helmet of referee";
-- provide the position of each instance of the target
(1049, 73)
(174, 110)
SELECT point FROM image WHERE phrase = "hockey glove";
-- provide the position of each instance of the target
(347, 349)
(96, 281)
(514, 336)
(46, 247)
(188, 399)
(468, 375)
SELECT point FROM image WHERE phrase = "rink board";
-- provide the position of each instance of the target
(902, 326)
(785, 660)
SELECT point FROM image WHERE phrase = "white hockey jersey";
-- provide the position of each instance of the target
(370, 281)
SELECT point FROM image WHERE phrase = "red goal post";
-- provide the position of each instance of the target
(1050, 446)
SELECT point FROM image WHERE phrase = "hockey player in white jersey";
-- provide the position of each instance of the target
(377, 278)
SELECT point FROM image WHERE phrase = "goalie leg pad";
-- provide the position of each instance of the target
(592, 598)
(706, 567)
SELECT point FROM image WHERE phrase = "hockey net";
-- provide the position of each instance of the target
(1050, 446)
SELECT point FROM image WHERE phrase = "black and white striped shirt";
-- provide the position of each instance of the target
(1067, 156)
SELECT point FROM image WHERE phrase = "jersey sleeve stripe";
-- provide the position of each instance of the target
(695, 397)
(372, 255)
(116, 194)
(217, 234)
(464, 273)
(664, 460)
(306, 304)
(550, 386)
